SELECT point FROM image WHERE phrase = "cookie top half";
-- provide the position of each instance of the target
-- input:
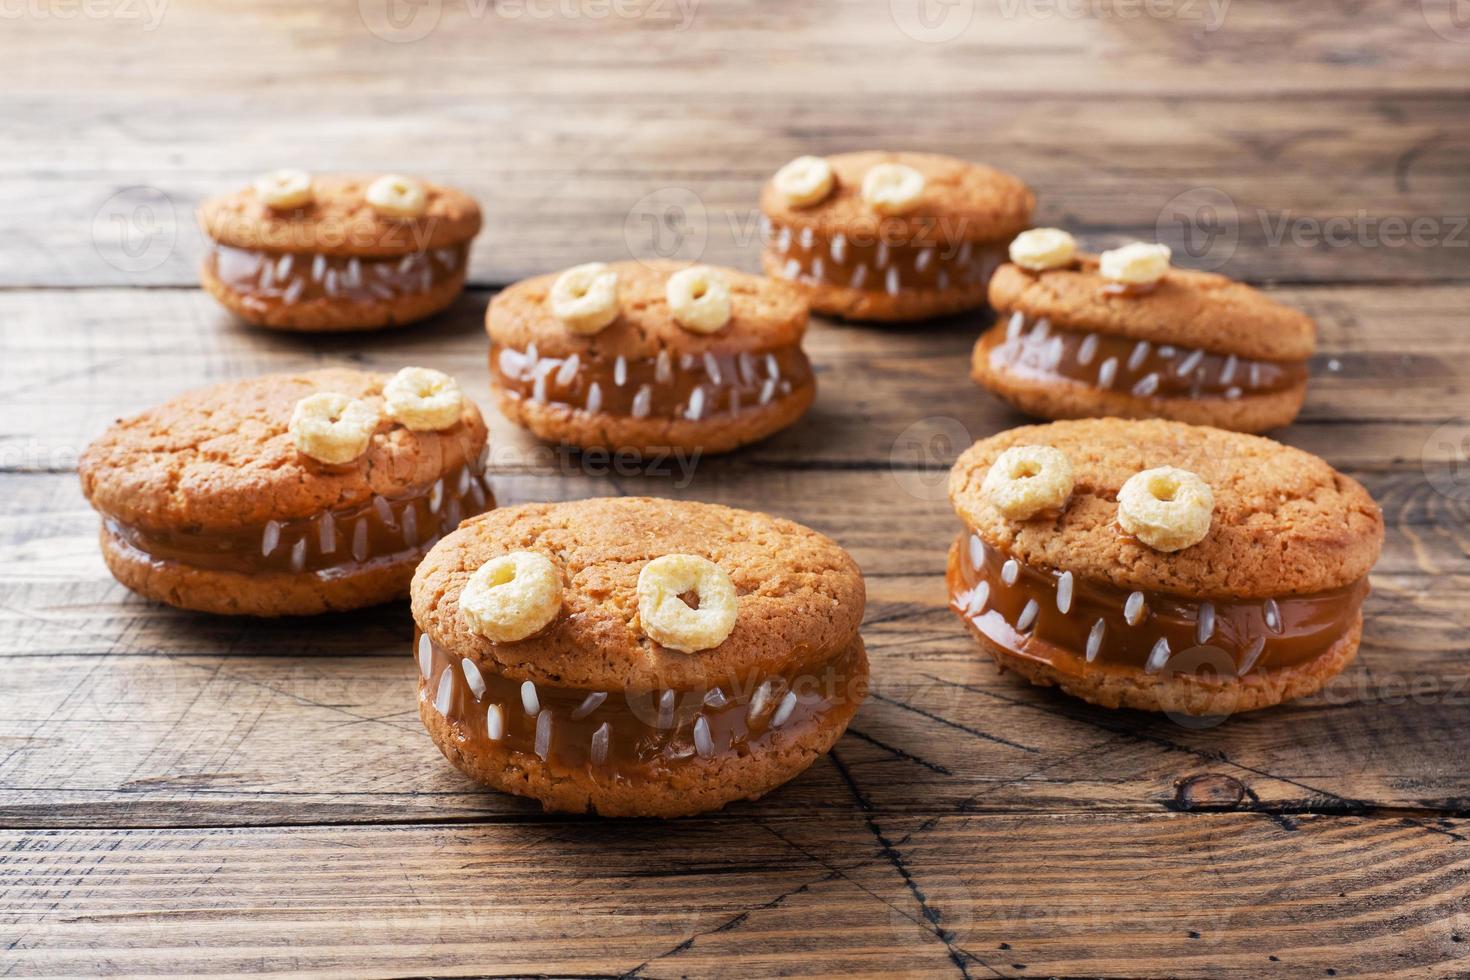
(1185, 308)
(961, 201)
(340, 221)
(222, 458)
(764, 314)
(799, 595)
(1284, 522)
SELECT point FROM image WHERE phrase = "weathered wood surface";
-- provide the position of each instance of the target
(181, 794)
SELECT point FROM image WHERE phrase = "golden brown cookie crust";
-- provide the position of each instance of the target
(222, 457)
(1066, 399)
(765, 313)
(696, 785)
(339, 221)
(1186, 309)
(652, 436)
(801, 595)
(962, 201)
(333, 315)
(1285, 522)
(878, 306)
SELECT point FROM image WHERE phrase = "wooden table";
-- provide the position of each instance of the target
(189, 794)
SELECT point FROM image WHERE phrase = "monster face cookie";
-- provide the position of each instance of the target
(287, 494)
(650, 357)
(1124, 334)
(890, 236)
(318, 253)
(1160, 565)
(637, 657)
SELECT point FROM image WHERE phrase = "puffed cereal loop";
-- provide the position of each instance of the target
(699, 299)
(423, 399)
(1043, 248)
(892, 188)
(1166, 508)
(284, 189)
(585, 297)
(511, 597)
(1027, 480)
(670, 621)
(333, 428)
(397, 196)
(804, 181)
(1135, 264)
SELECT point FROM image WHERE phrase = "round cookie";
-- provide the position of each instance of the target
(1264, 607)
(207, 502)
(588, 712)
(934, 258)
(1196, 347)
(644, 382)
(336, 262)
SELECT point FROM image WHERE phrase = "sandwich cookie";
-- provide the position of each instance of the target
(637, 657)
(890, 236)
(297, 252)
(288, 494)
(1159, 565)
(650, 357)
(1124, 334)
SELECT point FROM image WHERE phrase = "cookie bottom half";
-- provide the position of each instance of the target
(330, 315)
(651, 435)
(673, 780)
(1064, 398)
(879, 305)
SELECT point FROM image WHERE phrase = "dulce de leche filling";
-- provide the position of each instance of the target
(383, 530)
(299, 277)
(685, 386)
(629, 732)
(1071, 623)
(1032, 347)
(875, 263)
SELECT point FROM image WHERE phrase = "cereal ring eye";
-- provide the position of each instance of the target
(804, 181)
(892, 188)
(511, 597)
(283, 190)
(1026, 480)
(423, 400)
(669, 619)
(397, 197)
(1043, 248)
(1135, 264)
(333, 428)
(699, 299)
(585, 298)
(1166, 508)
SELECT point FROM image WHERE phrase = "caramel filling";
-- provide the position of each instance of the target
(687, 386)
(629, 732)
(1033, 348)
(336, 542)
(301, 277)
(1070, 623)
(879, 265)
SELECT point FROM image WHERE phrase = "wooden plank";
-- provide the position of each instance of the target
(855, 893)
(1392, 366)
